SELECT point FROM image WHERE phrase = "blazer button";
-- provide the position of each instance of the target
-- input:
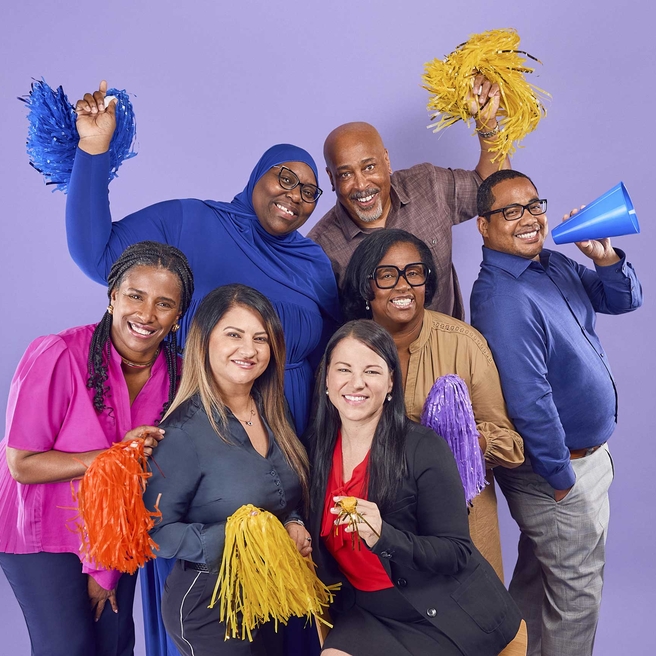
(401, 583)
(431, 612)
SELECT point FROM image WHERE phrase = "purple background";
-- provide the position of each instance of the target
(216, 83)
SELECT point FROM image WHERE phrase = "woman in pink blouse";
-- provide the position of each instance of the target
(73, 395)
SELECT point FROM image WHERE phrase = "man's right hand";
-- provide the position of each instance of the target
(95, 123)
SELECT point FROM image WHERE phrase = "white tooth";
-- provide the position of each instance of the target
(404, 302)
(284, 209)
(141, 331)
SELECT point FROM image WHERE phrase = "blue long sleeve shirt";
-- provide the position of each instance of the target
(539, 321)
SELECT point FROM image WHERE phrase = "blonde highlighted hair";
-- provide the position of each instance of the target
(197, 375)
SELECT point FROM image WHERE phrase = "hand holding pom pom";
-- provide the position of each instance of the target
(95, 122)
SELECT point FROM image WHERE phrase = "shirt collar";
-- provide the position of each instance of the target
(351, 229)
(513, 264)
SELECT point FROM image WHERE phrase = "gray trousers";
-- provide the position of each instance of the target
(558, 577)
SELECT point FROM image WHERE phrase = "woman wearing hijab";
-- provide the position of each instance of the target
(75, 394)
(252, 240)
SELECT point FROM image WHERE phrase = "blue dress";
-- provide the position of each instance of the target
(224, 243)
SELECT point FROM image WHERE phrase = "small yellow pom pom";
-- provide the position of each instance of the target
(493, 54)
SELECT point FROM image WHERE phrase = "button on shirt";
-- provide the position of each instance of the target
(204, 479)
(539, 321)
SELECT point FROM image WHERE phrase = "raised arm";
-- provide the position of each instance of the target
(484, 105)
(94, 242)
(613, 287)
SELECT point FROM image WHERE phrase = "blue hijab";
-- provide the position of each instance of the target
(292, 260)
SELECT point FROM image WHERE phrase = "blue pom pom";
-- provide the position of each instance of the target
(52, 135)
(122, 144)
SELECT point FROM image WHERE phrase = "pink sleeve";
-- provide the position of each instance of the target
(39, 396)
(107, 578)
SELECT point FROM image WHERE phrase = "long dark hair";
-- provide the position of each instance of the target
(150, 254)
(367, 256)
(197, 377)
(387, 465)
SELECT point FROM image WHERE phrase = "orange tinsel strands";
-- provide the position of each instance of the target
(114, 520)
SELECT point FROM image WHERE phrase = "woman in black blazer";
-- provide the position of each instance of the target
(413, 583)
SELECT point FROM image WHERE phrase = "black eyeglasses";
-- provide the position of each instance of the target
(387, 276)
(288, 180)
(516, 211)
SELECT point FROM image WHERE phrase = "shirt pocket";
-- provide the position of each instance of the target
(404, 505)
(481, 599)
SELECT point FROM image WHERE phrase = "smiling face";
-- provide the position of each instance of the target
(402, 307)
(524, 237)
(146, 305)
(239, 349)
(359, 169)
(281, 211)
(358, 380)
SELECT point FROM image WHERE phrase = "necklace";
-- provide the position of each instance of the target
(139, 365)
(248, 422)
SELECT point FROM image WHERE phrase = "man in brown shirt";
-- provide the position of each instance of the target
(425, 200)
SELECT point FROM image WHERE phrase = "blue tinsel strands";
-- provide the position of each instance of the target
(448, 411)
(52, 135)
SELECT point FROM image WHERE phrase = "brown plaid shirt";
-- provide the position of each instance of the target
(427, 201)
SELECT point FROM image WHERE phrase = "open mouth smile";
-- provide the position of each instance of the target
(139, 330)
(402, 302)
(528, 236)
(284, 209)
(244, 364)
(355, 398)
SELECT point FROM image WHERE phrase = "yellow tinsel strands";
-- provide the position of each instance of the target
(495, 55)
(263, 577)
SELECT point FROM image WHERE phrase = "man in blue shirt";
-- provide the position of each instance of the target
(537, 310)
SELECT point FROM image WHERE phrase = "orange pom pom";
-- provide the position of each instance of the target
(114, 520)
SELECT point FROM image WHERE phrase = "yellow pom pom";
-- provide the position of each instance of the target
(263, 577)
(493, 54)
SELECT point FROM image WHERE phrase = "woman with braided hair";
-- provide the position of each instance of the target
(74, 394)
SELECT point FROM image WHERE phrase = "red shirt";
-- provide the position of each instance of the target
(362, 568)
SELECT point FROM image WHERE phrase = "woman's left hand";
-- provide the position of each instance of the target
(299, 534)
(370, 529)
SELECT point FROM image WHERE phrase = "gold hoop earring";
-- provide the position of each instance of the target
(110, 309)
(175, 328)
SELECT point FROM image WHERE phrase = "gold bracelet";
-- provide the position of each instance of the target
(491, 133)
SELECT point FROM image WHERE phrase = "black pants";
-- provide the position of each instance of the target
(193, 626)
(52, 592)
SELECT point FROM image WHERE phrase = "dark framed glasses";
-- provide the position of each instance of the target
(387, 276)
(516, 211)
(288, 180)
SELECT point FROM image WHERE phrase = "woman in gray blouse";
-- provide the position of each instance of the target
(228, 443)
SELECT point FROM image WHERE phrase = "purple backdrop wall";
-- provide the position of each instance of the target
(217, 83)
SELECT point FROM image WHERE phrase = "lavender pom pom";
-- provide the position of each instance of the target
(448, 411)
(52, 135)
